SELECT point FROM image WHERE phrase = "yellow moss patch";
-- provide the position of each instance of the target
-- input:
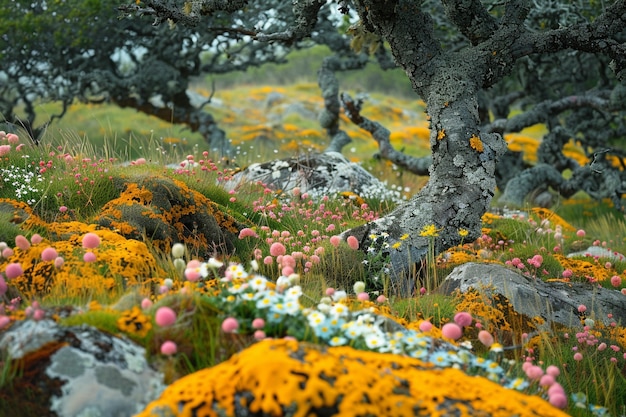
(274, 376)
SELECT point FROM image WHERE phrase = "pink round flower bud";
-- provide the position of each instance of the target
(534, 372)
(21, 242)
(91, 241)
(4, 321)
(258, 323)
(58, 262)
(192, 274)
(546, 380)
(452, 331)
(165, 317)
(330, 291)
(578, 356)
(553, 370)
(146, 303)
(485, 338)
(381, 299)
(463, 319)
(580, 233)
(13, 270)
(259, 335)
(425, 326)
(616, 280)
(277, 249)
(7, 252)
(89, 257)
(230, 325)
(49, 254)
(335, 240)
(558, 401)
(169, 348)
(363, 296)
(353, 242)
(582, 308)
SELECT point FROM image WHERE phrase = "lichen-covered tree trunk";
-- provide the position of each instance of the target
(449, 208)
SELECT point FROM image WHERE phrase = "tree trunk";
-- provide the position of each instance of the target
(458, 193)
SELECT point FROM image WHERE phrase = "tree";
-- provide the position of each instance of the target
(76, 50)
(451, 78)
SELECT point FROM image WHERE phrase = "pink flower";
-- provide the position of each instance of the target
(268, 260)
(13, 270)
(5, 149)
(91, 241)
(146, 303)
(580, 233)
(63, 209)
(36, 239)
(330, 227)
(192, 274)
(582, 308)
(169, 348)
(553, 370)
(21, 242)
(534, 372)
(286, 271)
(230, 325)
(4, 321)
(425, 326)
(558, 401)
(381, 299)
(165, 316)
(259, 335)
(578, 356)
(258, 323)
(59, 261)
(463, 319)
(7, 252)
(49, 254)
(485, 338)
(353, 242)
(89, 257)
(335, 240)
(602, 346)
(567, 273)
(452, 331)
(616, 280)
(330, 291)
(546, 380)
(362, 296)
(13, 138)
(277, 249)
(247, 232)
(288, 260)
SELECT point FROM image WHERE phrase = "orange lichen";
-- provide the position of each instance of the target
(555, 219)
(121, 264)
(441, 134)
(476, 143)
(585, 269)
(275, 377)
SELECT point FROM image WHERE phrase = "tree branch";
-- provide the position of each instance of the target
(418, 166)
(472, 19)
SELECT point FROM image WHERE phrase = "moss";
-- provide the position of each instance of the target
(167, 211)
(278, 377)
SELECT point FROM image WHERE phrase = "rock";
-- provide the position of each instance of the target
(279, 377)
(166, 211)
(599, 252)
(555, 302)
(75, 371)
(319, 175)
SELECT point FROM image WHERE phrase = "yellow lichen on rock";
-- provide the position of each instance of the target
(280, 377)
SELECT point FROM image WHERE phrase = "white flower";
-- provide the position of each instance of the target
(214, 263)
(178, 250)
(375, 341)
(254, 265)
(359, 287)
(258, 283)
(339, 310)
(339, 295)
(293, 293)
(316, 318)
(282, 283)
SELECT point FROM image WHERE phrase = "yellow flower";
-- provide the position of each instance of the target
(441, 134)
(134, 322)
(404, 236)
(430, 231)
(463, 232)
(396, 245)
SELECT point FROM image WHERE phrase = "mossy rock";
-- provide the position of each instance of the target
(166, 211)
(121, 264)
(287, 378)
